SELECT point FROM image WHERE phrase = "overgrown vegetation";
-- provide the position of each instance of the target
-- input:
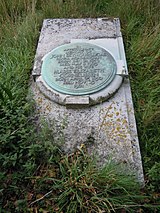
(35, 175)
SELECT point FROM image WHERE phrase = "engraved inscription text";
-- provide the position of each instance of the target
(80, 67)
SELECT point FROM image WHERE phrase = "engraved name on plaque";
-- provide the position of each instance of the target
(78, 68)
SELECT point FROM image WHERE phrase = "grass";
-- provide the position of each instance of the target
(84, 188)
(60, 183)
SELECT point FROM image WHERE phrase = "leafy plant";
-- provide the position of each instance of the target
(154, 176)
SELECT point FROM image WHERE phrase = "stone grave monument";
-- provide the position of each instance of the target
(81, 83)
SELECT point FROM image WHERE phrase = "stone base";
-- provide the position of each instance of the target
(110, 124)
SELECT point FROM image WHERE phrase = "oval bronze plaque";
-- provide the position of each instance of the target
(78, 68)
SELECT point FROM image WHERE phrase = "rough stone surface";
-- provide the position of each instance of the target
(111, 124)
(56, 32)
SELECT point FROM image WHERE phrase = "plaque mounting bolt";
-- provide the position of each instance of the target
(121, 69)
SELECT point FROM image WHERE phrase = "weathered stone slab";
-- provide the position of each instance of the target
(109, 122)
(56, 32)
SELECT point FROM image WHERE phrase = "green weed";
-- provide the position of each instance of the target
(82, 187)
(75, 184)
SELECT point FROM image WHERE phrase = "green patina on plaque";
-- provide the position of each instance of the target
(78, 68)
